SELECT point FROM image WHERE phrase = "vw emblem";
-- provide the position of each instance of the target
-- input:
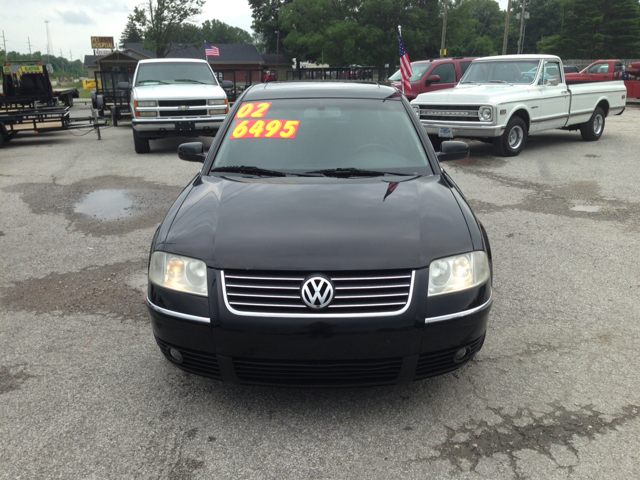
(317, 292)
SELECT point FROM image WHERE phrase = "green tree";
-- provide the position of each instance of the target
(131, 33)
(215, 31)
(159, 20)
(474, 28)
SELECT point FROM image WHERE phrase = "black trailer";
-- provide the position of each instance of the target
(107, 96)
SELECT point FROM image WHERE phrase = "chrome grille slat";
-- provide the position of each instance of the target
(278, 293)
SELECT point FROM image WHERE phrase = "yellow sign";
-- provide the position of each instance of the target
(6, 70)
(102, 42)
(29, 69)
(89, 85)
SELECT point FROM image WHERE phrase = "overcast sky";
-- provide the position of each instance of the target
(72, 23)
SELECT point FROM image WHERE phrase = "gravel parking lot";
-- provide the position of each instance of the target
(553, 394)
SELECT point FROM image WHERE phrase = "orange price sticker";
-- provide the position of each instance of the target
(265, 129)
(253, 110)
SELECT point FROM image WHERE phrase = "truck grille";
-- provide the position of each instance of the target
(456, 113)
(259, 293)
(185, 113)
(179, 103)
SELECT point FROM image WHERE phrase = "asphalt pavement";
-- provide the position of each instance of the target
(553, 394)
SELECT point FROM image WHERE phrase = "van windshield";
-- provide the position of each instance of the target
(162, 73)
(327, 133)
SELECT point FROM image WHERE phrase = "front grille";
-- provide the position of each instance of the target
(178, 103)
(201, 363)
(183, 113)
(318, 373)
(356, 293)
(437, 363)
(457, 113)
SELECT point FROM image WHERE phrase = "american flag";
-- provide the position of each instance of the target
(405, 66)
(390, 189)
(210, 50)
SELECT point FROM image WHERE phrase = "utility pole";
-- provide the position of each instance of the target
(521, 28)
(277, 50)
(4, 40)
(444, 29)
(49, 46)
(30, 54)
(506, 29)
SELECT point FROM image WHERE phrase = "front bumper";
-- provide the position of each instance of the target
(164, 127)
(310, 352)
(463, 129)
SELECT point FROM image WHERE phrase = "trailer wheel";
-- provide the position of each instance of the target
(70, 100)
(592, 130)
(141, 144)
(94, 99)
(512, 141)
(114, 116)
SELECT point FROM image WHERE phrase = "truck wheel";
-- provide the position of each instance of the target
(512, 141)
(141, 144)
(592, 130)
(436, 141)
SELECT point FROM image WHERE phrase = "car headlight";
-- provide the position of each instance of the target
(486, 113)
(217, 101)
(178, 273)
(416, 108)
(146, 103)
(459, 272)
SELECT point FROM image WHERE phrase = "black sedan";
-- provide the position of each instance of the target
(320, 245)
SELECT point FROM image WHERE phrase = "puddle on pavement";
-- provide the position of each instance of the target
(105, 204)
(99, 206)
(586, 208)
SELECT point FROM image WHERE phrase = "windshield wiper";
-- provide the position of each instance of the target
(498, 81)
(251, 170)
(152, 81)
(355, 172)
(477, 83)
(190, 80)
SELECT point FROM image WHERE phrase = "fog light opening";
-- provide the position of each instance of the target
(460, 355)
(176, 355)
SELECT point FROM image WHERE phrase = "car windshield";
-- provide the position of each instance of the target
(305, 135)
(419, 70)
(522, 72)
(163, 73)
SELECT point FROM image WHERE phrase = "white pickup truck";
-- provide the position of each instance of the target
(504, 99)
(175, 97)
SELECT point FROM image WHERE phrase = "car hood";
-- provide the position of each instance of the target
(471, 93)
(317, 224)
(182, 91)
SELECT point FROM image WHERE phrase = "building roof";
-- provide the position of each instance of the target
(235, 53)
(90, 60)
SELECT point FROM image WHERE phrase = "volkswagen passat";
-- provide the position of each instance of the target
(321, 244)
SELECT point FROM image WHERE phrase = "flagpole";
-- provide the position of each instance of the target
(402, 79)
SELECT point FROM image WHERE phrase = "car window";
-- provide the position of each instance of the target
(314, 134)
(508, 71)
(599, 68)
(419, 70)
(463, 67)
(174, 73)
(446, 71)
(551, 72)
(619, 67)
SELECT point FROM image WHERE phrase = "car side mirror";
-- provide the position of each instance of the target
(552, 82)
(453, 151)
(192, 152)
(432, 79)
(226, 84)
(124, 86)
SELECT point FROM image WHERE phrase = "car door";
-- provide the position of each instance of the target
(599, 72)
(554, 97)
(447, 74)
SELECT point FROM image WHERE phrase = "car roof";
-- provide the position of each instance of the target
(438, 60)
(173, 60)
(320, 89)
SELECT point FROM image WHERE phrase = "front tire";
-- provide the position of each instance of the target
(512, 141)
(592, 130)
(141, 144)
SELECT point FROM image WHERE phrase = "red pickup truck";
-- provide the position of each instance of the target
(600, 71)
(431, 75)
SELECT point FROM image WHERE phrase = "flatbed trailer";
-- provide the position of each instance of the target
(66, 95)
(16, 119)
